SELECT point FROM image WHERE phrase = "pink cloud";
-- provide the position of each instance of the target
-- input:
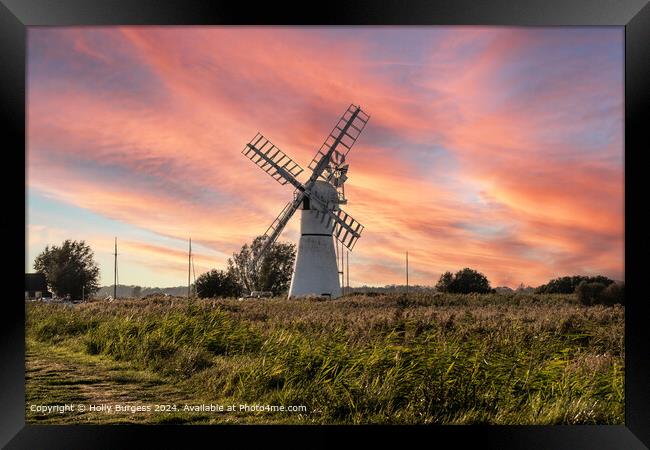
(520, 192)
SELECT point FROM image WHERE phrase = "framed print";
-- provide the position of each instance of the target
(412, 221)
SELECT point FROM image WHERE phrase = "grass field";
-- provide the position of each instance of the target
(440, 358)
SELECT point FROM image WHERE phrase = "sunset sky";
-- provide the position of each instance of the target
(499, 149)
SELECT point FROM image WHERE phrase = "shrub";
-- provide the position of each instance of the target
(590, 293)
(464, 282)
(614, 294)
(445, 281)
(568, 285)
(217, 283)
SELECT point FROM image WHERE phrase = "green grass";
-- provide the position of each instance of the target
(445, 359)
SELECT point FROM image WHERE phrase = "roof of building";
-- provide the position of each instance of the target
(35, 282)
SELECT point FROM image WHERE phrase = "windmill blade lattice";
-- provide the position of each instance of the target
(346, 229)
(346, 135)
(277, 226)
(319, 198)
(272, 160)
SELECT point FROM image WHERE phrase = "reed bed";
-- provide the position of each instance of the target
(421, 358)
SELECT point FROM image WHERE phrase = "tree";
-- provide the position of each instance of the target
(589, 293)
(464, 282)
(274, 270)
(568, 284)
(136, 291)
(69, 269)
(596, 293)
(614, 294)
(444, 282)
(217, 283)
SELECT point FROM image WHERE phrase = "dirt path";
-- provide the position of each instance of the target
(63, 374)
(57, 375)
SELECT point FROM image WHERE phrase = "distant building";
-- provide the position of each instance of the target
(36, 286)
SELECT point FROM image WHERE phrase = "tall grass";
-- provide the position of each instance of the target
(507, 359)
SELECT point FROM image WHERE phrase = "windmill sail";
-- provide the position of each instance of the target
(272, 160)
(342, 137)
(346, 229)
(315, 270)
(276, 227)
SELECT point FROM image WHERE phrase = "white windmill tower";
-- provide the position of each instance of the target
(315, 271)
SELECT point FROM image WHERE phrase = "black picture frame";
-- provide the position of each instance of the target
(17, 15)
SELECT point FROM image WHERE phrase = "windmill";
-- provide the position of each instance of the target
(315, 271)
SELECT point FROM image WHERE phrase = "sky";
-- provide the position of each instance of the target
(499, 149)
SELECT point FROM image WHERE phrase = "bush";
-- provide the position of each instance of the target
(464, 281)
(614, 294)
(569, 285)
(600, 294)
(217, 283)
(589, 293)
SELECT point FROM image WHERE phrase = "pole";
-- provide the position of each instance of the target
(194, 277)
(342, 269)
(347, 269)
(189, 268)
(339, 267)
(115, 274)
(407, 272)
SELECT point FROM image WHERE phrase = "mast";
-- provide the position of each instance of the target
(115, 272)
(338, 253)
(342, 269)
(189, 268)
(347, 269)
(407, 272)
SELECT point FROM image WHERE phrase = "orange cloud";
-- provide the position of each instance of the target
(499, 149)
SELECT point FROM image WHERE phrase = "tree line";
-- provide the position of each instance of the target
(70, 269)
(589, 290)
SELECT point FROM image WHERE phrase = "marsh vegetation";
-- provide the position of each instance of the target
(420, 358)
